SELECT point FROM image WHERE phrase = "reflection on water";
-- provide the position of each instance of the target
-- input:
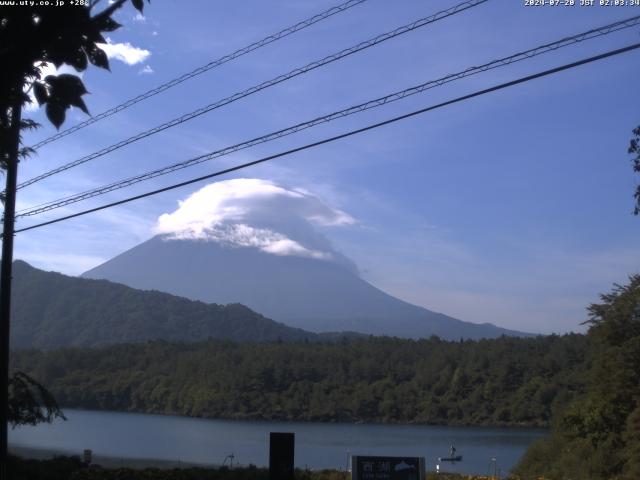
(318, 445)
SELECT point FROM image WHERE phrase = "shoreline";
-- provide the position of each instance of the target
(320, 446)
(546, 428)
(106, 461)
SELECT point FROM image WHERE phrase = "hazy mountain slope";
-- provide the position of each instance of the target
(52, 310)
(308, 293)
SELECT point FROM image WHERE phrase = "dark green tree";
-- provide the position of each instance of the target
(365, 380)
(34, 36)
(30, 403)
(598, 435)
(30, 38)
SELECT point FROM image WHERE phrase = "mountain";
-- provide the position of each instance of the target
(52, 310)
(306, 292)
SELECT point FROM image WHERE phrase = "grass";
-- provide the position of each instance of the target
(72, 468)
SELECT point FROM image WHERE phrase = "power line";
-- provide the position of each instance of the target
(205, 68)
(343, 135)
(269, 83)
(589, 34)
(593, 33)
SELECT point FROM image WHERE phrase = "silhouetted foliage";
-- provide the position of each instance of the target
(506, 381)
(30, 403)
(33, 35)
(59, 468)
(634, 148)
(598, 434)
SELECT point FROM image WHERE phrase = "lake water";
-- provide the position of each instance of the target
(130, 435)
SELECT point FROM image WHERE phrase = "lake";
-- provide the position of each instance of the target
(318, 445)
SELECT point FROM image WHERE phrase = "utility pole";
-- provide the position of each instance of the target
(6, 271)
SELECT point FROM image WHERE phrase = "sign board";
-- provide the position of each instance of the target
(387, 468)
(86, 456)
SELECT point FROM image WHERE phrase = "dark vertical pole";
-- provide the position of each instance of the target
(281, 456)
(5, 279)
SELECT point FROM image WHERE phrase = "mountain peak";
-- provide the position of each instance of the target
(255, 213)
(22, 267)
(300, 291)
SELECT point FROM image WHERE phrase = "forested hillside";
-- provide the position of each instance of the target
(506, 381)
(51, 310)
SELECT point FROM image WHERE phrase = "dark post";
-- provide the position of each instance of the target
(5, 279)
(281, 455)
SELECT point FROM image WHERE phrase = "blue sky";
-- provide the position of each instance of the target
(514, 208)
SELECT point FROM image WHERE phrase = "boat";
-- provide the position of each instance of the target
(457, 458)
(452, 456)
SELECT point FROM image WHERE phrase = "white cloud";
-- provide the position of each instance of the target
(256, 213)
(147, 70)
(125, 52)
(242, 235)
(140, 18)
(286, 246)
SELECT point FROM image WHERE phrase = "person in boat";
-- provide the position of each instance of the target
(452, 451)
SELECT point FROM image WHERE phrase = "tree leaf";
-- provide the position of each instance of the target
(51, 79)
(40, 92)
(79, 60)
(108, 24)
(138, 4)
(26, 152)
(28, 124)
(64, 90)
(79, 103)
(30, 403)
(94, 37)
(56, 113)
(69, 84)
(99, 58)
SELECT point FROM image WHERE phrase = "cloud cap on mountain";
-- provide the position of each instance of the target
(251, 212)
